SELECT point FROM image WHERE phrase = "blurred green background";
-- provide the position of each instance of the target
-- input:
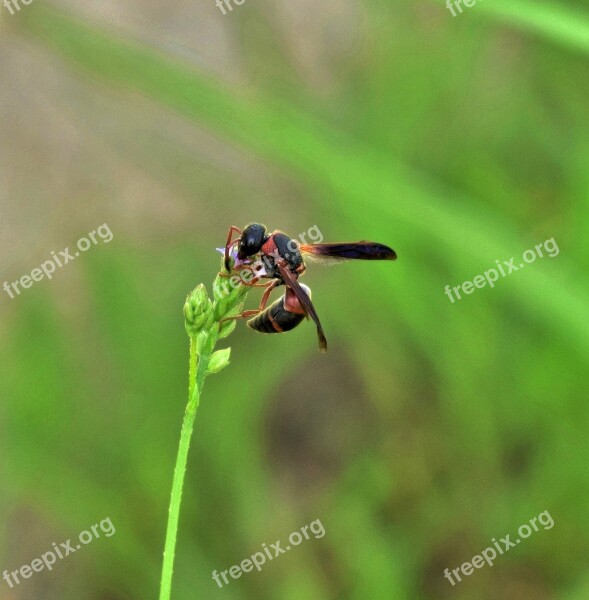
(430, 427)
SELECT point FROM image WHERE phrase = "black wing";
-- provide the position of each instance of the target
(290, 280)
(348, 251)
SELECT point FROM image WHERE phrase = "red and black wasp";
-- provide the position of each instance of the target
(283, 263)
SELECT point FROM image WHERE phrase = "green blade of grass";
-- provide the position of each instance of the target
(564, 25)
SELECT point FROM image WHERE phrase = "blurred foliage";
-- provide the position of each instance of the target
(430, 427)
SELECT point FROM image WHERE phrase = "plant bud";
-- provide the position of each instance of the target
(197, 310)
(219, 360)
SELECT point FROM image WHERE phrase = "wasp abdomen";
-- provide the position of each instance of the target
(276, 319)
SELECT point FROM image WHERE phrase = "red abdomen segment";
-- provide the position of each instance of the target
(283, 315)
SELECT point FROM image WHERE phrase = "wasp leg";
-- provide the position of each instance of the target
(251, 313)
(254, 280)
(229, 243)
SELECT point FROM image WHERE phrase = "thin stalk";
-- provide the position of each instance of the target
(197, 371)
(206, 322)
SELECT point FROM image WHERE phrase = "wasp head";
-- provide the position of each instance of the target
(251, 241)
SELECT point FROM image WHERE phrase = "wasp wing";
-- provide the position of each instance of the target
(290, 280)
(338, 252)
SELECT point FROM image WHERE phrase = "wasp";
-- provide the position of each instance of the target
(283, 262)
